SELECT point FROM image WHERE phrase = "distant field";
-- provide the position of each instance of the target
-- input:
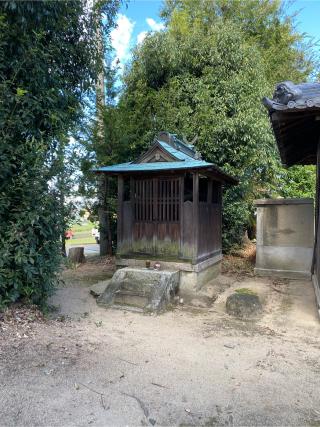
(82, 235)
(85, 227)
(81, 241)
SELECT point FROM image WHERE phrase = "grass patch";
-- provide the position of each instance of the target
(83, 227)
(81, 241)
(245, 291)
(80, 234)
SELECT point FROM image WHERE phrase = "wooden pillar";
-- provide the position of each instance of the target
(209, 193)
(155, 216)
(317, 213)
(195, 211)
(119, 211)
(220, 199)
(104, 217)
(133, 209)
(181, 213)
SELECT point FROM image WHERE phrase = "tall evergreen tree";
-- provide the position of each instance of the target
(204, 76)
(49, 61)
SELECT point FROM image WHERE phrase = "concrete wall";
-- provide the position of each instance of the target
(285, 237)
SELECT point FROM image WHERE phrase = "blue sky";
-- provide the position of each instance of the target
(141, 16)
(133, 23)
(308, 17)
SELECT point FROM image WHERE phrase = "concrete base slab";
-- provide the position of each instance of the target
(284, 258)
(285, 274)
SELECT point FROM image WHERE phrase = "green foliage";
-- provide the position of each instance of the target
(48, 60)
(29, 237)
(110, 149)
(265, 24)
(205, 86)
(298, 181)
(204, 77)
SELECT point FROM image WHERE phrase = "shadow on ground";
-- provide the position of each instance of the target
(193, 365)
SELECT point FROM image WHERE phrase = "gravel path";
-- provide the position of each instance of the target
(187, 367)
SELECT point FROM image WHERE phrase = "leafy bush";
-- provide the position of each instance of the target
(204, 76)
(48, 60)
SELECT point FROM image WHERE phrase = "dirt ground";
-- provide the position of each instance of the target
(190, 366)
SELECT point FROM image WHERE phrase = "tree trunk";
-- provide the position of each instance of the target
(109, 235)
(76, 255)
(104, 219)
(103, 211)
(62, 201)
(63, 245)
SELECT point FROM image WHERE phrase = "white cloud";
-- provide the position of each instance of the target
(155, 26)
(141, 36)
(121, 38)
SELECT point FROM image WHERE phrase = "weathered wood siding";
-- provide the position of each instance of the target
(157, 220)
(209, 229)
(187, 244)
(127, 222)
(152, 217)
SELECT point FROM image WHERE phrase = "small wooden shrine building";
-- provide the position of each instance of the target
(169, 208)
(295, 118)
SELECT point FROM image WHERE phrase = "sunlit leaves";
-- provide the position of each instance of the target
(49, 58)
(205, 76)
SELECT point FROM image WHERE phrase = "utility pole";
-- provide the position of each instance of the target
(103, 181)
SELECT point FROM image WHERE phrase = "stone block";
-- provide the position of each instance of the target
(146, 289)
(192, 276)
(244, 305)
(285, 237)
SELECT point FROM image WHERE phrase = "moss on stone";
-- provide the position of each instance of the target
(245, 291)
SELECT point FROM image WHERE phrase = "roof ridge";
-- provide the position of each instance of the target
(172, 140)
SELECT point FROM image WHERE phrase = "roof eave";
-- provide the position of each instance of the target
(223, 177)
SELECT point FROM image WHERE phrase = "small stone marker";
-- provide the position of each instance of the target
(243, 304)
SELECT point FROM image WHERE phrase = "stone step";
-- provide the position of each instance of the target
(127, 308)
(139, 288)
(130, 298)
(144, 291)
(143, 286)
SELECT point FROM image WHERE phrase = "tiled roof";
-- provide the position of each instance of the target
(290, 97)
(294, 113)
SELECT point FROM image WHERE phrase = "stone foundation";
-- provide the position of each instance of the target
(285, 235)
(192, 276)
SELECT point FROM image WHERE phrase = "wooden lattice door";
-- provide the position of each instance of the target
(156, 211)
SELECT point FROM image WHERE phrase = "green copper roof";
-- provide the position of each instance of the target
(166, 166)
(156, 166)
(186, 159)
(176, 153)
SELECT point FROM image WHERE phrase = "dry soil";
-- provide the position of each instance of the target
(190, 366)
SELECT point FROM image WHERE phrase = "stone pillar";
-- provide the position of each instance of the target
(285, 237)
